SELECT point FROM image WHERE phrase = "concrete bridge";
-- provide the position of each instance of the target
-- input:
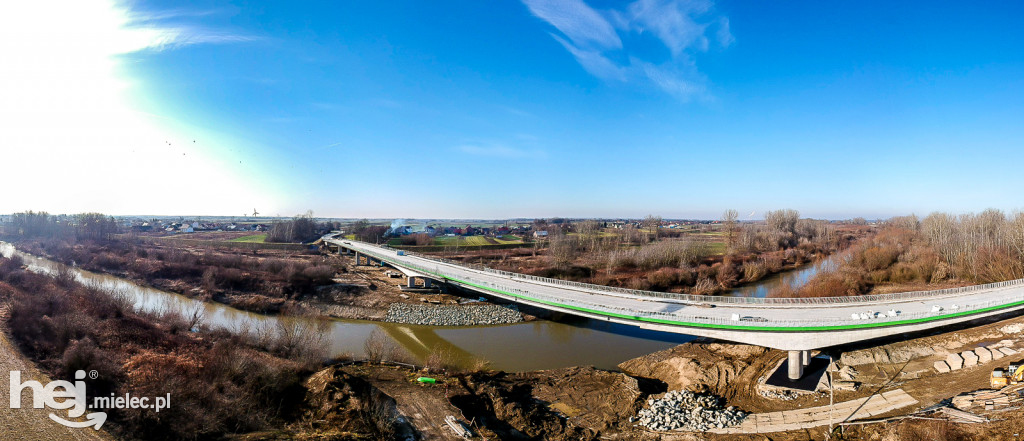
(797, 325)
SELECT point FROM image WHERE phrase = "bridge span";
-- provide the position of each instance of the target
(797, 325)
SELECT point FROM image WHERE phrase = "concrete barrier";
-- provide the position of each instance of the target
(954, 361)
(996, 353)
(984, 355)
(970, 358)
(941, 367)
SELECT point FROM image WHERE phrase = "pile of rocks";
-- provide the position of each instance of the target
(452, 315)
(784, 395)
(682, 410)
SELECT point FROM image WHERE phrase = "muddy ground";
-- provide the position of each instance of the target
(585, 403)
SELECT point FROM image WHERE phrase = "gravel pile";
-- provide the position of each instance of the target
(784, 395)
(452, 315)
(682, 410)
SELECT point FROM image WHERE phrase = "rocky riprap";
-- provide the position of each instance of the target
(683, 410)
(784, 395)
(452, 315)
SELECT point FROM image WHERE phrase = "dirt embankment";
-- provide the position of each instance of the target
(28, 423)
(698, 366)
(579, 403)
(564, 404)
(270, 281)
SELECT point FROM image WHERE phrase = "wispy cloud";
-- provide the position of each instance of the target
(500, 151)
(583, 25)
(596, 40)
(595, 62)
(725, 37)
(154, 30)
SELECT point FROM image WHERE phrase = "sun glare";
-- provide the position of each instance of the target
(67, 106)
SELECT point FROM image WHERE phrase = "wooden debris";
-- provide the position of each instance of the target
(959, 416)
(458, 427)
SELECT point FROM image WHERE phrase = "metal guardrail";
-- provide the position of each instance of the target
(866, 300)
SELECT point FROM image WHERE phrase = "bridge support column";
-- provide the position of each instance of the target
(796, 365)
(412, 282)
(805, 358)
(357, 258)
(426, 283)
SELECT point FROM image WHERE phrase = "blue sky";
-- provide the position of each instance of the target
(521, 109)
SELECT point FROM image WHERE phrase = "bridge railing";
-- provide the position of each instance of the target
(684, 315)
(765, 301)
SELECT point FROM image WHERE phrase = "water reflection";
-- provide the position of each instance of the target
(541, 344)
(795, 279)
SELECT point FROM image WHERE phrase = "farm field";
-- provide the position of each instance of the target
(476, 240)
(252, 238)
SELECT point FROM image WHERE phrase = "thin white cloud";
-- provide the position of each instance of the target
(677, 79)
(594, 62)
(725, 37)
(672, 21)
(595, 39)
(582, 24)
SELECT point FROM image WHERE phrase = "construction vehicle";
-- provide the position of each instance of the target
(998, 380)
(1013, 374)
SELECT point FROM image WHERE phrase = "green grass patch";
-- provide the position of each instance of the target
(508, 238)
(717, 247)
(461, 240)
(252, 238)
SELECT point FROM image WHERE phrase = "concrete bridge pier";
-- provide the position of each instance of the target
(796, 364)
(426, 283)
(805, 358)
(412, 282)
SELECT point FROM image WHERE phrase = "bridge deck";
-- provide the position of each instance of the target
(777, 323)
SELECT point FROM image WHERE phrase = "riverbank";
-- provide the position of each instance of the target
(267, 282)
(699, 264)
(369, 400)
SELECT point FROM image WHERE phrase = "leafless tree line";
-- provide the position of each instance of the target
(782, 229)
(984, 247)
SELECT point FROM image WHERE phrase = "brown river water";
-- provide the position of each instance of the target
(526, 346)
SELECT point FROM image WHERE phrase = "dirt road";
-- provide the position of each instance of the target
(27, 423)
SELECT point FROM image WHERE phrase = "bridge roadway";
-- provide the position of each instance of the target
(794, 325)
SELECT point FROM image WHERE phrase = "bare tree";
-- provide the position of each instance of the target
(729, 221)
(653, 223)
(563, 250)
(590, 232)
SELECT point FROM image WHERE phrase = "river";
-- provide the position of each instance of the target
(535, 345)
(526, 346)
(794, 278)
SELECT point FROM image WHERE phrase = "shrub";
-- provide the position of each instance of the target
(754, 270)
(726, 275)
(663, 278)
(877, 258)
